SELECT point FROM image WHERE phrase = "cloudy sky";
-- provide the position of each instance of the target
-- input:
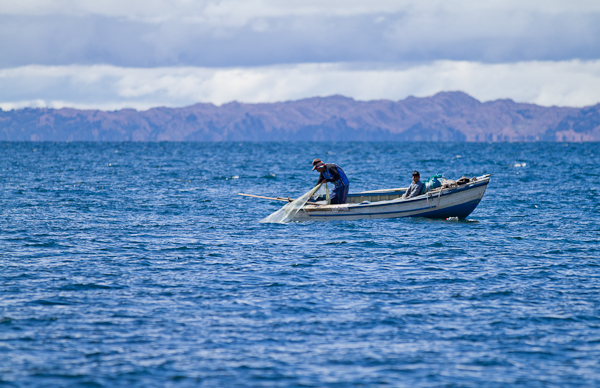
(111, 54)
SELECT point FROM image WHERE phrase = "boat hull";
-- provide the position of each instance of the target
(456, 202)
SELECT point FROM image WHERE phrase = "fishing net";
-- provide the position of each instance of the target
(289, 210)
(321, 196)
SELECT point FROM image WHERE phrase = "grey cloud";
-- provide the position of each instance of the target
(58, 40)
(392, 38)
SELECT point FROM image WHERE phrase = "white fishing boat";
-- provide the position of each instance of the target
(444, 199)
(453, 199)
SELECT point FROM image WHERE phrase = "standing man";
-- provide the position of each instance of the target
(415, 187)
(331, 172)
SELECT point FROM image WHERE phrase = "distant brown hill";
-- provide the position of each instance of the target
(447, 116)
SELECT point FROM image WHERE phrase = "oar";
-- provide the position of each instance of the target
(288, 199)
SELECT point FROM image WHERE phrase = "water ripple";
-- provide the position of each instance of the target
(138, 265)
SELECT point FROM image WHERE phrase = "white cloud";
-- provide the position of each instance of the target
(566, 83)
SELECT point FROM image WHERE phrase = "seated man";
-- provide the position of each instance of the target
(415, 187)
(331, 172)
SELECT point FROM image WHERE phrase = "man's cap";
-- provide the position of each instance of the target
(416, 173)
(317, 163)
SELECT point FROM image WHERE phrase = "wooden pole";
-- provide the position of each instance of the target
(288, 199)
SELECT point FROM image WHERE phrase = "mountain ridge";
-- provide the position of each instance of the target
(445, 116)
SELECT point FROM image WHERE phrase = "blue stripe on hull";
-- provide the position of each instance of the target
(461, 211)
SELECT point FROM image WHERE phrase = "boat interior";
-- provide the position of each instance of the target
(375, 196)
(369, 196)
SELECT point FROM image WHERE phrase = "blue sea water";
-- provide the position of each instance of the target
(138, 265)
